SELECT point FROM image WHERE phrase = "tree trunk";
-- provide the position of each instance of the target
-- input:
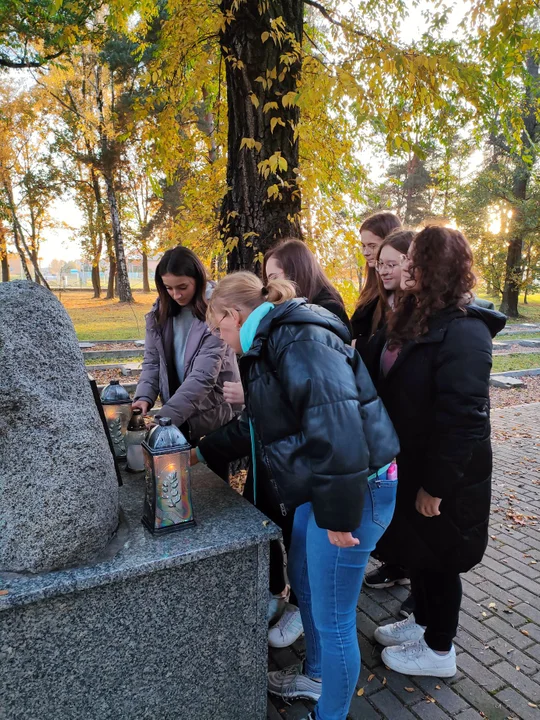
(263, 66)
(514, 271)
(4, 254)
(124, 289)
(34, 256)
(96, 281)
(146, 283)
(112, 277)
(522, 175)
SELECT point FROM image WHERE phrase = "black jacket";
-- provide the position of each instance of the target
(361, 324)
(328, 302)
(320, 428)
(437, 395)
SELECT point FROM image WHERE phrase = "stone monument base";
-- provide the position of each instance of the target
(172, 627)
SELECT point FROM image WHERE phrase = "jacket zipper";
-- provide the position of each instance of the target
(270, 474)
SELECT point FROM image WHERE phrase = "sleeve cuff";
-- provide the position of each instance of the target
(200, 456)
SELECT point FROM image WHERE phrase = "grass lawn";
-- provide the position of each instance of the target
(529, 313)
(107, 319)
(521, 361)
(111, 360)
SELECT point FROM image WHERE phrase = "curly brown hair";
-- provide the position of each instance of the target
(441, 276)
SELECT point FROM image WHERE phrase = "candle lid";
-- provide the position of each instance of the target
(165, 435)
(114, 393)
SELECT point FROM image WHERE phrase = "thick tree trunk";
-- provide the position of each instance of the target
(146, 283)
(124, 289)
(263, 66)
(96, 281)
(514, 271)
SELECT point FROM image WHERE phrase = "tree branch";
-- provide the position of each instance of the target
(19, 64)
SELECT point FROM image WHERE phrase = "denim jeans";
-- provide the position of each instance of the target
(327, 581)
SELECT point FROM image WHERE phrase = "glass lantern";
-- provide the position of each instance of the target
(167, 504)
(117, 408)
(136, 433)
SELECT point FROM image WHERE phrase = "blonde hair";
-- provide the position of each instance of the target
(244, 290)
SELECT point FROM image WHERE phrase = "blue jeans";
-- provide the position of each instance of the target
(327, 581)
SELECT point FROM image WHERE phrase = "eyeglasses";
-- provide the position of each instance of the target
(214, 329)
(381, 267)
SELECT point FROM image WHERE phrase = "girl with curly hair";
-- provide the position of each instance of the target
(432, 371)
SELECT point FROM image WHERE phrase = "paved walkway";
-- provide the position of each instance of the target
(498, 641)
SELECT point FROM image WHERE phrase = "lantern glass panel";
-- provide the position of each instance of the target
(118, 417)
(173, 489)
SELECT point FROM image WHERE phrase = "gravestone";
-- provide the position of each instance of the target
(58, 487)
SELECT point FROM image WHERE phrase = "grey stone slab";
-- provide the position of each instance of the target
(174, 626)
(58, 486)
(225, 522)
(505, 381)
(529, 343)
(121, 354)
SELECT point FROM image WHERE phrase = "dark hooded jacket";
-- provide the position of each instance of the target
(437, 395)
(320, 428)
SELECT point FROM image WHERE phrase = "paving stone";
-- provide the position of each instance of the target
(476, 629)
(429, 711)
(469, 714)
(504, 629)
(362, 710)
(444, 695)
(373, 609)
(477, 649)
(390, 706)
(518, 704)
(518, 680)
(481, 700)
(506, 650)
(479, 673)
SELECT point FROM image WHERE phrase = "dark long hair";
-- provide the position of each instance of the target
(400, 240)
(380, 224)
(181, 261)
(441, 266)
(302, 268)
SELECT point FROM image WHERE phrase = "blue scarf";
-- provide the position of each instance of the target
(247, 336)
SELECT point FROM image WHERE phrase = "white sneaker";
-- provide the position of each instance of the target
(399, 632)
(276, 605)
(287, 629)
(416, 658)
(292, 684)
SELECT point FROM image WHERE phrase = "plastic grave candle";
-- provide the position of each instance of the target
(136, 432)
(167, 503)
(117, 408)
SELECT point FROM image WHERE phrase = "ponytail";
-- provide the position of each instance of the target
(279, 291)
(245, 290)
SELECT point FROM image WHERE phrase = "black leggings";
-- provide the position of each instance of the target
(437, 597)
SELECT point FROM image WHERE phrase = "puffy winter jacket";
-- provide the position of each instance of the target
(320, 428)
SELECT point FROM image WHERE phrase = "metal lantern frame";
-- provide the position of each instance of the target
(168, 505)
(117, 413)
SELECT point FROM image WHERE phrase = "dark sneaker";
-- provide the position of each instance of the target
(386, 576)
(407, 607)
